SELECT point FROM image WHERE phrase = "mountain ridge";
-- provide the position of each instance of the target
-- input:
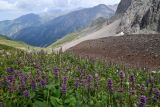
(55, 29)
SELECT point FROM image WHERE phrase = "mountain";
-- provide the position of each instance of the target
(142, 16)
(113, 7)
(55, 29)
(53, 13)
(49, 15)
(10, 27)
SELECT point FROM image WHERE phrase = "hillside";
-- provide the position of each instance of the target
(95, 32)
(131, 50)
(95, 26)
(15, 44)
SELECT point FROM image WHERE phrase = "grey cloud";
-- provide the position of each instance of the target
(17, 7)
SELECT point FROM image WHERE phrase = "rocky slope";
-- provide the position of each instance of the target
(132, 50)
(142, 16)
(123, 6)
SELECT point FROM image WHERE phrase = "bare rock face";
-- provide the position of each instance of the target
(123, 6)
(142, 16)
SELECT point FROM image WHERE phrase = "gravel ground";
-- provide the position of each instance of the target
(142, 51)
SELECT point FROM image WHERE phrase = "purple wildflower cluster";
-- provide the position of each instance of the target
(132, 84)
(110, 85)
(21, 82)
(56, 73)
(76, 83)
(156, 95)
(64, 86)
(142, 101)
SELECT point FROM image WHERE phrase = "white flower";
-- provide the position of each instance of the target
(96, 75)
(154, 72)
(117, 70)
(8, 53)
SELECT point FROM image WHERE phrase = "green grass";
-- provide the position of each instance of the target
(40, 79)
(4, 47)
(16, 44)
(66, 39)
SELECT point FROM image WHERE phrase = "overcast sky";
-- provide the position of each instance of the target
(10, 9)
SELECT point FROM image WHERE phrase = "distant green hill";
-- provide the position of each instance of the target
(5, 41)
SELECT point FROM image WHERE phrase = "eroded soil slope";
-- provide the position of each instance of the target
(131, 50)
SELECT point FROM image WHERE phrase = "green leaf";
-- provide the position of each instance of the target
(40, 104)
(71, 101)
(56, 102)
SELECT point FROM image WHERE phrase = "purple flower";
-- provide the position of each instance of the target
(142, 89)
(26, 93)
(64, 86)
(76, 83)
(33, 84)
(142, 101)
(65, 80)
(110, 84)
(64, 89)
(89, 79)
(156, 95)
(10, 78)
(132, 79)
(155, 99)
(121, 75)
(10, 70)
(56, 72)
(23, 80)
(43, 83)
(156, 91)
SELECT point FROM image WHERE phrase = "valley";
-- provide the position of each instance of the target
(76, 53)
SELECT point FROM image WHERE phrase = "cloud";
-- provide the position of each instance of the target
(19, 7)
(89, 3)
(5, 5)
(35, 5)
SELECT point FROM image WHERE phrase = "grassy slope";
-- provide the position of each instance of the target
(73, 36)
(4, 47)
(67, 38)
(15, 44)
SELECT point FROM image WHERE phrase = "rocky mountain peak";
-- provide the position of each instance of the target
(142, 16)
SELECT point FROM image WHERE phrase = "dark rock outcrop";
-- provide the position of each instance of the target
(123, 6)
(142, 16)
